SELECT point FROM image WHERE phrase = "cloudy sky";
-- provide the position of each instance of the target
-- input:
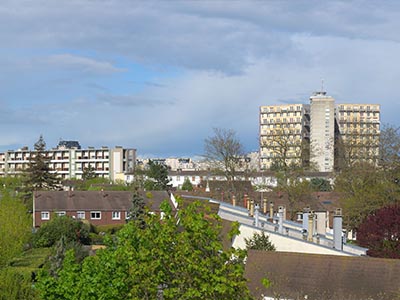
(159, 75)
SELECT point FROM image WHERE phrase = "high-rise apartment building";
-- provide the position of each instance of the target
(284, 134)
(321, 134)
(359, 126)
(71, 162)
(322, 131)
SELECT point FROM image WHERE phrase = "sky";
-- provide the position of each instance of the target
(158, 76)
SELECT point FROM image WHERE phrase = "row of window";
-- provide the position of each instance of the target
(94, 215)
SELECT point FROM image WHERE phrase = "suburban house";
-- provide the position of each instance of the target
(98, 207)
(280, 275)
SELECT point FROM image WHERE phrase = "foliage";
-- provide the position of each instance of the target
(38, 175)
(52, 231)
(157, 177)
(364, 188)
(292, 183)
(165, 259)
(223, 150)
(187, 185)
(259, 242)
(137, 210)
(320, 185)
(15, 285)
(88, 173)
(15, 228)
(380, 232)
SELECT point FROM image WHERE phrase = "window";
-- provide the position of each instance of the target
(80, 215)
(45, 215)
(95, 215)
(116, 215)
(60, 213)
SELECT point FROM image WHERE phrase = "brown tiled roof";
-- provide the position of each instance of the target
(94, 200)
(295, 275)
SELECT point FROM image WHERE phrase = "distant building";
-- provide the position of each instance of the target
(322, 135)
(284, 134)
(70, 163)
(322, 131)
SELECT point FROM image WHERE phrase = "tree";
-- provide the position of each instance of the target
(223, 150)
(52, 231)
(15, 228)
(320, 185)
(259, 242)
(38, 173)
(187, 185)
(157, 175)
(287, 150)
(363, 189)
(380, 232)
(292, 183)
(88, 173)
(137, 210)
(165, 259)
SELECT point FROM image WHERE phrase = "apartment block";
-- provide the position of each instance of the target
(284, 134)
(322, 131)
(322, 135)
(70, 163)
(359, 126)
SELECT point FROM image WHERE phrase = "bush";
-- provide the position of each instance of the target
(15, 285)
(52, 231)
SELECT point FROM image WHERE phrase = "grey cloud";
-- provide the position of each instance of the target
(198, 34)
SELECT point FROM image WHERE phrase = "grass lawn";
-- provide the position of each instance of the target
(30, 260)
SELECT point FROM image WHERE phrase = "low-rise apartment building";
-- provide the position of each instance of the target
(70, 163)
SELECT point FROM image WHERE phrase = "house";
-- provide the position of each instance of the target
(280, 275)
(98, 207)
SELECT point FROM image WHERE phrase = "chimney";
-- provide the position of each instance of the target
(271, 211)
(280, 219)
(251, 208)
(310, 226)
(265, 206)
(306, 213)
(337, 230)
(256, 215)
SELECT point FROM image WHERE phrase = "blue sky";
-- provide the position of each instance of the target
(159, 75)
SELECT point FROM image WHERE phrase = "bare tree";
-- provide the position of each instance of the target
(223, 151)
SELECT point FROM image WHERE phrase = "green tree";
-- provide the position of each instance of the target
(259, 241)
(165, 259)
(38, 175)
(363, 189)
(15, 228)
(137, 211)
(52, 231)
(88, 173)
(187, 185)
(15, 285)
(223, 151)
(292, 183)
(157, 177)
(320, 185)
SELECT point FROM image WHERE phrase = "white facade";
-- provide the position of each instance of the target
(322, 132)
(70, 163)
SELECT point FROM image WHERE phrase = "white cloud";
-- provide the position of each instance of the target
(80, 63)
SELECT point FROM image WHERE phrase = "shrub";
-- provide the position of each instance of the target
(52, 231)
